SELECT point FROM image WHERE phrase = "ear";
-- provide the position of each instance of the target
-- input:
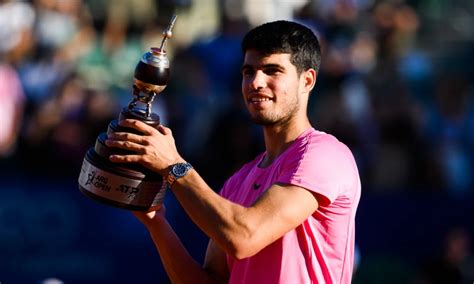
(308, 78)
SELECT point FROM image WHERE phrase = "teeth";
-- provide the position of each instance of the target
(254, 100)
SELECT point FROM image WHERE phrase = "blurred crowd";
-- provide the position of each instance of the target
(396, 83)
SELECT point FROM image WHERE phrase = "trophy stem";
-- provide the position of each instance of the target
(148, 105)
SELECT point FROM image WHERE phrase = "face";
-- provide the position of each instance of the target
(271, 87)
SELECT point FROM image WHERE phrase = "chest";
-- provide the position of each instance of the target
(254, 184)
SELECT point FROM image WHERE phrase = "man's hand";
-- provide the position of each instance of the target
(154, 149)
(155, 214)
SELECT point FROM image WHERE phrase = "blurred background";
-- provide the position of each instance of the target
(396, 85)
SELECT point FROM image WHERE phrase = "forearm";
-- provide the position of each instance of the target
(220, 219)
(243, 231)
(178, 263)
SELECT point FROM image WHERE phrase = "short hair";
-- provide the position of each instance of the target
(286, 37)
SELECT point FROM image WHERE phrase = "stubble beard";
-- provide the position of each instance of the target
(272, 118)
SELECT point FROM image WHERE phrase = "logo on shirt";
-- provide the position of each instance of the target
(256, 186)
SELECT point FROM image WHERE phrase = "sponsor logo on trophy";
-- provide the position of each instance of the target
(131, 187)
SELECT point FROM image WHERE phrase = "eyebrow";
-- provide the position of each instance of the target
(270, 65)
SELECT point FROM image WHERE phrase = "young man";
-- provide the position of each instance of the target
(285, 217)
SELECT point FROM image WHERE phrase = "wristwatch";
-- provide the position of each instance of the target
(177, 171)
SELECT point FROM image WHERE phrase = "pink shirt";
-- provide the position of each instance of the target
(321, 249)
(11, 101)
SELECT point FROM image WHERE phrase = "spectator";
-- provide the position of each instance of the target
(16, 22)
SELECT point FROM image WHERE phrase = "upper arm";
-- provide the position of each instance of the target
(280, 209)
(215, 263)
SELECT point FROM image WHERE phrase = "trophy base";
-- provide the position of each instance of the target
(118, 185)
(110, 202)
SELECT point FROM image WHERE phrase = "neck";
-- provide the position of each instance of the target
(279, 137)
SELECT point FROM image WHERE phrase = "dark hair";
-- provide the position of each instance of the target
(286, 37)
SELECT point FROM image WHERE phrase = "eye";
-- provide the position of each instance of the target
(272, 71)
(247, 72)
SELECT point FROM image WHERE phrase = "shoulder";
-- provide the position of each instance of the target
(328, 154)
(320, 162)
(327, 143)
(316, 146)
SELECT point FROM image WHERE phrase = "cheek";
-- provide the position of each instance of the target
(284, 88)
(244, 85)
(288, 91)
(243, 91)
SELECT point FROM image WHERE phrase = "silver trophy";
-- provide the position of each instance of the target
(130, 186)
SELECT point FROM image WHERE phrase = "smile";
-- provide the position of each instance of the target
(259, 100)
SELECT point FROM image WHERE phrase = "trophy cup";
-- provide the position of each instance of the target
(130, 186)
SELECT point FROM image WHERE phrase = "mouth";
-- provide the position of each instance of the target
(259, 99)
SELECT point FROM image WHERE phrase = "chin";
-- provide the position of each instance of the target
(263, 121)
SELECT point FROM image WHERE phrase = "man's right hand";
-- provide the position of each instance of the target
(154, 148)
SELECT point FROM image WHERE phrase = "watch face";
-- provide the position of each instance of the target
(180, 170)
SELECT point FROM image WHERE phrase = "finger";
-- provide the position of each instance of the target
(126, 136)
(145, 217)
(164, 130)
(138, 125)
(155, 208)
(127, 145)
(124, 158)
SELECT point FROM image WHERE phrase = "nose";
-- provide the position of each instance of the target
(258, 80)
